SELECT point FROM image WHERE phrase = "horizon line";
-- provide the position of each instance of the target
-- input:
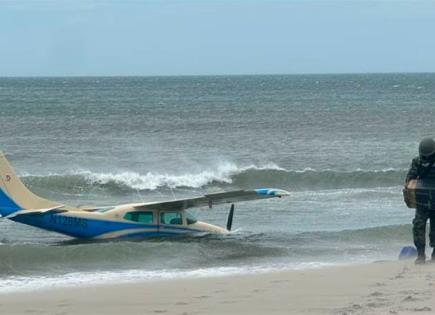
(210, 75)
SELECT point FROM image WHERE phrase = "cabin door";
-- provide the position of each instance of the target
(171, 222)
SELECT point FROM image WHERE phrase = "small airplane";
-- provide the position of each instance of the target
(167, 218)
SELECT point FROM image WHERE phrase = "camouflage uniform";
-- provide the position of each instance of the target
(422, 214)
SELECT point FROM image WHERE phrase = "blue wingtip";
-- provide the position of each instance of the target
(272, 192)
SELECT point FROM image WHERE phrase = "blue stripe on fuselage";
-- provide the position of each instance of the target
(89, 228)
(76, 226)
(7, 205)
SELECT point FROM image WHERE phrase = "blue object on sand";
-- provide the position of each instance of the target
(408, 252)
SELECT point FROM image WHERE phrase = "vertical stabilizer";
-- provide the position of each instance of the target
(14, 195)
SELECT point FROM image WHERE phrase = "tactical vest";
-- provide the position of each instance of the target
(420, 193)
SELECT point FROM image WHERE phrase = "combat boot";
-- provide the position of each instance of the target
(421, 256)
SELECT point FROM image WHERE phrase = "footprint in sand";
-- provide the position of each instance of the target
(410, 298)
(354, 307)
(422, 309)
(376, 304)
(381, 300)
(351, 309)
(378, 284)
(401, 274)
(376, 293)
(181, 303)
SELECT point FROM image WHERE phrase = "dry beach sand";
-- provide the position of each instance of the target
(376, 288)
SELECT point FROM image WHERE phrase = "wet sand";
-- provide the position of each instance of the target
(376, 288)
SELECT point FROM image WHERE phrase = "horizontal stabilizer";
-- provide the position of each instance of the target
(54, 210)
(210, 200)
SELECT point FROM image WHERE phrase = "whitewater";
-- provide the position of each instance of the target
(224, 174)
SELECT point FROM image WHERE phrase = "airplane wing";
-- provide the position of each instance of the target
(54, 210)
(210, 200)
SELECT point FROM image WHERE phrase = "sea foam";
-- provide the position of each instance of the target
(79, 279)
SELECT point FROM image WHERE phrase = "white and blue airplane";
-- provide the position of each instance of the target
(167, 218)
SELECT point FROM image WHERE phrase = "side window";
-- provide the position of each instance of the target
(171, 218)
(190, 218)
(141, 217)
(131, 216)
(146, 217)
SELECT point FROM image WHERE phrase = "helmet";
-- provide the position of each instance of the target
(426, 149)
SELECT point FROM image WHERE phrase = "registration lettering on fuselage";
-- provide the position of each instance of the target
(68, 221)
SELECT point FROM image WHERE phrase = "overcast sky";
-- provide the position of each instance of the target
(122, 37)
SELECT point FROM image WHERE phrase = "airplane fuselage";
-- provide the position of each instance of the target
(118, 222)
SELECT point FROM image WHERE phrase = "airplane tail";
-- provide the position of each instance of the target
(14, 195)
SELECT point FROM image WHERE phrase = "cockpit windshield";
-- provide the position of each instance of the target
(190, 218)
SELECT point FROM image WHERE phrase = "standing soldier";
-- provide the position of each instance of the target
(423, 170)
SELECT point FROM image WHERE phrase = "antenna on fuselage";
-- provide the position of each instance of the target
(140, 196)
(173, 193)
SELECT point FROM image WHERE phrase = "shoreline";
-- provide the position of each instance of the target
(374, 288)
(107, 278)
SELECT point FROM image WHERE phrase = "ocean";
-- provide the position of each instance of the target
(341, 144)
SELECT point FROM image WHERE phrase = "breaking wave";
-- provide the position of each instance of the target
(252, 176)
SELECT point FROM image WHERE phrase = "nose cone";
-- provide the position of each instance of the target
(209, 228)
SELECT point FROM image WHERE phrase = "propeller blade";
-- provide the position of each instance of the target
(230, 218)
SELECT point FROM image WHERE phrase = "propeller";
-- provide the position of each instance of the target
(230, 218)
